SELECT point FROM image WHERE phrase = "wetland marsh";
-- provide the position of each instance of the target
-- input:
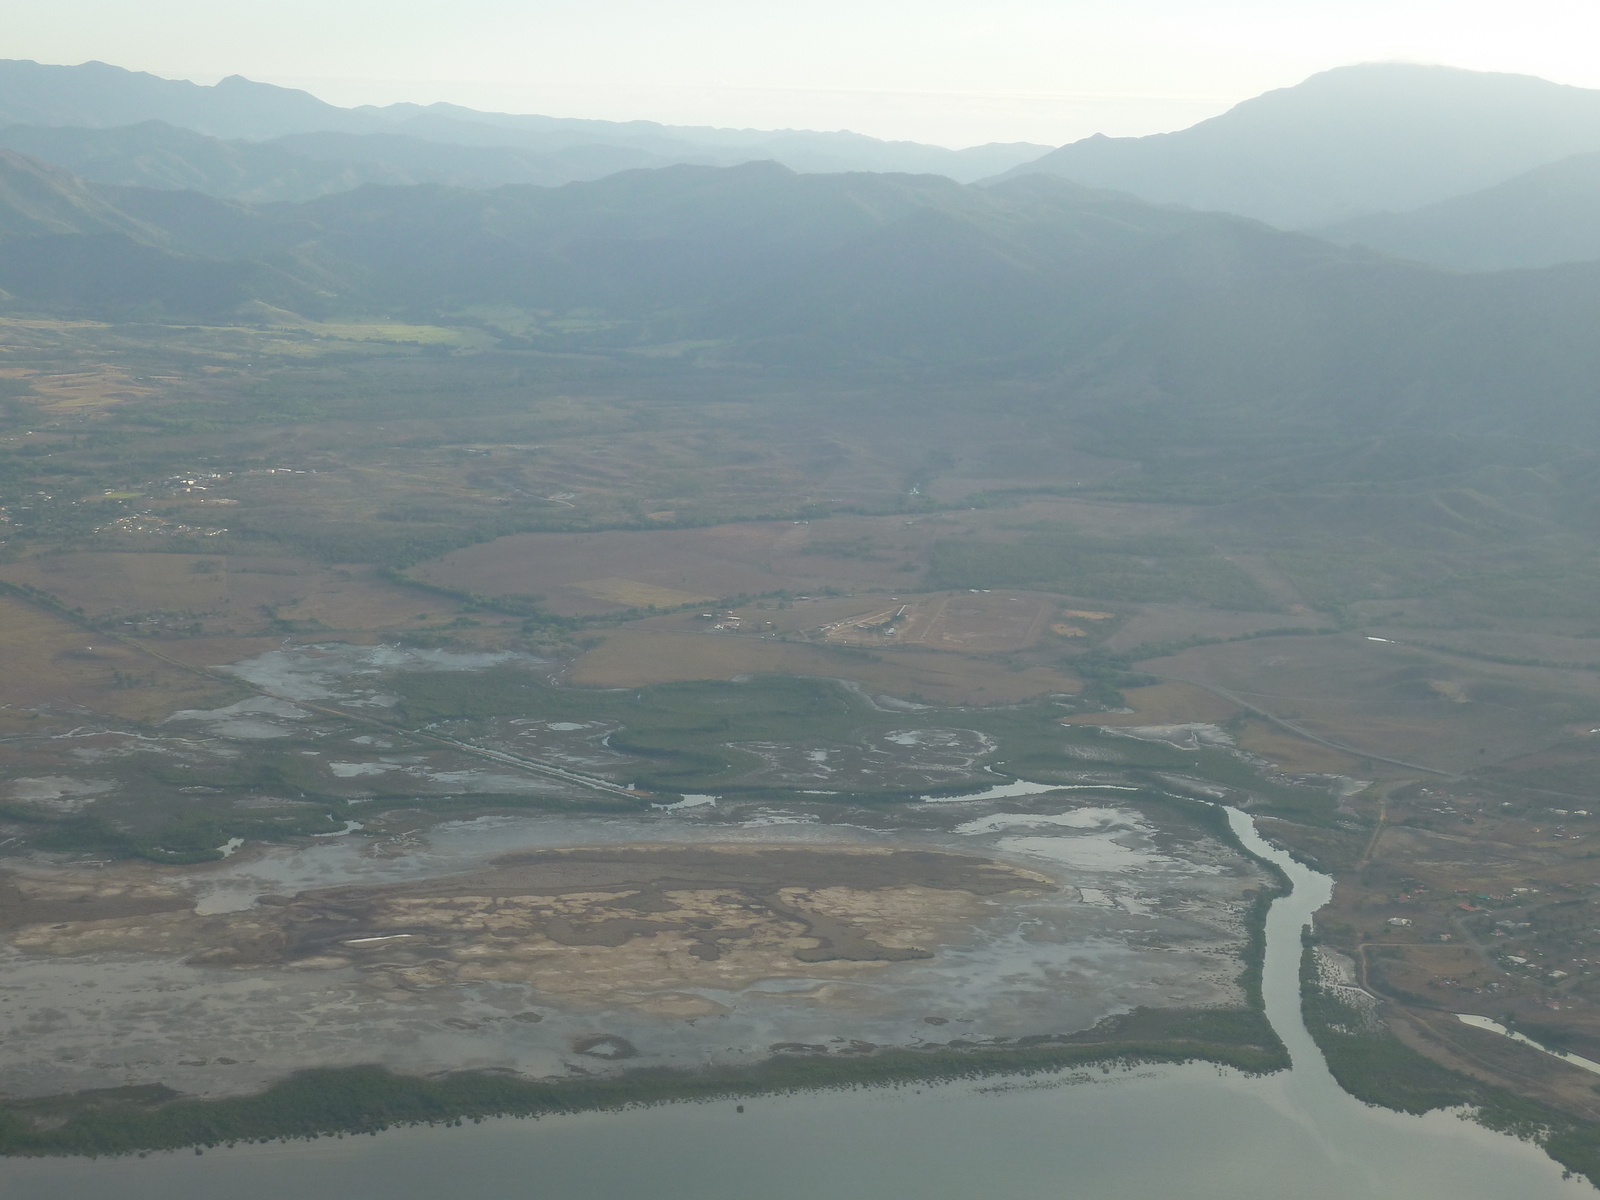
(1145, 1133)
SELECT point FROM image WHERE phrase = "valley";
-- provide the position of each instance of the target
(743, 627)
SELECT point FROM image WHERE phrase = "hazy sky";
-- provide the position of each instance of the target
(929, 70)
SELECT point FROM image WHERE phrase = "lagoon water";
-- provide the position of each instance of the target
(1195, 1133)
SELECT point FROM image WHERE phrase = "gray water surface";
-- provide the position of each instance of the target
(1195, 1133)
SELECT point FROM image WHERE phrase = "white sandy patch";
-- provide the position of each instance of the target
(258, 705)
(1190, 736)
(688, 801)
(965, 740)
(1000, 791)
(1078, 818)
(1086, 852)
(334, 670)
(246, 719)
(349, 770)
(59, 792)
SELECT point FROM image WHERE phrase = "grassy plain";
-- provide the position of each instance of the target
(636, 657)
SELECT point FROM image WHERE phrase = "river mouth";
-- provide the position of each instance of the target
(1145, 1133)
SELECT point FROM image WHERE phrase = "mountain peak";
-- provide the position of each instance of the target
(1345, 142)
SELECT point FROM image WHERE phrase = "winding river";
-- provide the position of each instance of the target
(1197, 1132)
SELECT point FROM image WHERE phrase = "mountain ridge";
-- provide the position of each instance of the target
(1542, 218)
(1207, 318)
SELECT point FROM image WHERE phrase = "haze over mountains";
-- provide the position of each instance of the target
(1218, 316)
(1549, 215)
(1347, 142)
(399, 143)
(1148, 306)
(1387, 155)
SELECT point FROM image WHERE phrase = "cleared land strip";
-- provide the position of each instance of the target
(1343, 748)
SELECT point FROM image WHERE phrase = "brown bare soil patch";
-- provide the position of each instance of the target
(96, 385)
(637, 656)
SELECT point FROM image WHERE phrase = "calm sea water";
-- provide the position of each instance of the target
(1189, 1133)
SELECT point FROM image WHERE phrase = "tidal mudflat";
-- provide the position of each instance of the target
(558, 945)
(1142, 1133)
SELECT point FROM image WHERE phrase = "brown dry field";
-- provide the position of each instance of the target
(1384, 699)
(1164, 704)
(1511, 643)
(1295, 754)
(96, 385)
(581, 573)
(349, 598)
(52, 662)
(758, 557)
(217, 651)
(1182, 703)
(638, 656)
(981, 623)
(1424, 963)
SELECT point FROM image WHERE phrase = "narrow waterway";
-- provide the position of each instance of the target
(1195, 1133)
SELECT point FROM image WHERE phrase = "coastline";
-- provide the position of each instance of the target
(354, 1100)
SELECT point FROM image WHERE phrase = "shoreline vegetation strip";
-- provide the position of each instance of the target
(329, 1102)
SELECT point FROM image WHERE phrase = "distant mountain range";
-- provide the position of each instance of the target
(1209, 320)
(399, 143)
(1346, 143)
(1462, 169)
(1210, 317)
